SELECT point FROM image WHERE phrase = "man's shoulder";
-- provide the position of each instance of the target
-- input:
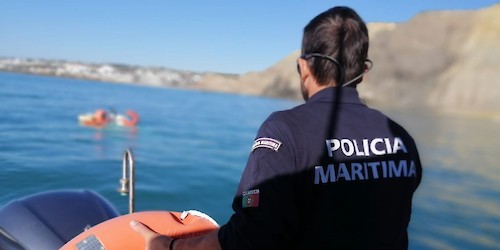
(297, 111)
(282, 115)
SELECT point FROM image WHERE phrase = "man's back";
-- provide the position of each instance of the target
(357, 171)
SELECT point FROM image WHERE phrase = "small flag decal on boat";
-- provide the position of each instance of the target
(250, 198)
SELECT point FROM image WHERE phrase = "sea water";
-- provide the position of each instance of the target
(190, 149)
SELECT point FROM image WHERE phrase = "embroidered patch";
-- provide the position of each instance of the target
(250, 198)
(266, 143)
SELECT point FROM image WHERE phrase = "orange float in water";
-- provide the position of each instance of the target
(101, 118)
(131, 120)
(116, 233)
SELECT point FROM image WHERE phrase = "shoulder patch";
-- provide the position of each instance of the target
(265, 142)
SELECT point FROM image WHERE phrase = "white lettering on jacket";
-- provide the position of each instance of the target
(364, 171)
(376, 146)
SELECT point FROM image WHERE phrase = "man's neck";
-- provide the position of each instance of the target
(315, 88)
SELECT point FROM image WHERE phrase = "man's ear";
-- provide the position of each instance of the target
(305, 72)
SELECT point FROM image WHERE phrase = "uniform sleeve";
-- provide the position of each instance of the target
(265, 214)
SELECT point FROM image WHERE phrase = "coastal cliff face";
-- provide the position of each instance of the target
(444, 60)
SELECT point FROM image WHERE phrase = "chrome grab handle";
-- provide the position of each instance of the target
(127, 183)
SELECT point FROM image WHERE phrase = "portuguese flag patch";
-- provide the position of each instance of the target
(250, 198)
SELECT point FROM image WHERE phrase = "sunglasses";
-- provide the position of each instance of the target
(308, 56)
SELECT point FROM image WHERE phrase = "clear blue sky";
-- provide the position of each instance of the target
(231, 36)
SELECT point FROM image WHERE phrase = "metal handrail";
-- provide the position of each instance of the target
(127, 182)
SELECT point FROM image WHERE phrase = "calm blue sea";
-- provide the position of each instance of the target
(190, 149)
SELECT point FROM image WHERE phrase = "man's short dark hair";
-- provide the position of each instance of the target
(339, 33)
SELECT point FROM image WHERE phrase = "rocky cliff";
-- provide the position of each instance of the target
(445, 60)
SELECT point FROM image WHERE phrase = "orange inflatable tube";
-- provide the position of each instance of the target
(116, 233)
(134, 119)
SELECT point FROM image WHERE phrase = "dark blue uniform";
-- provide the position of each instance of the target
(329, 174)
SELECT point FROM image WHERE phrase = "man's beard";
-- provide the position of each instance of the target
(304, 91)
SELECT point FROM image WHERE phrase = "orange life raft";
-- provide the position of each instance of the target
(116, 233)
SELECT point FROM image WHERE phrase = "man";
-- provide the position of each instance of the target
(329, 174)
